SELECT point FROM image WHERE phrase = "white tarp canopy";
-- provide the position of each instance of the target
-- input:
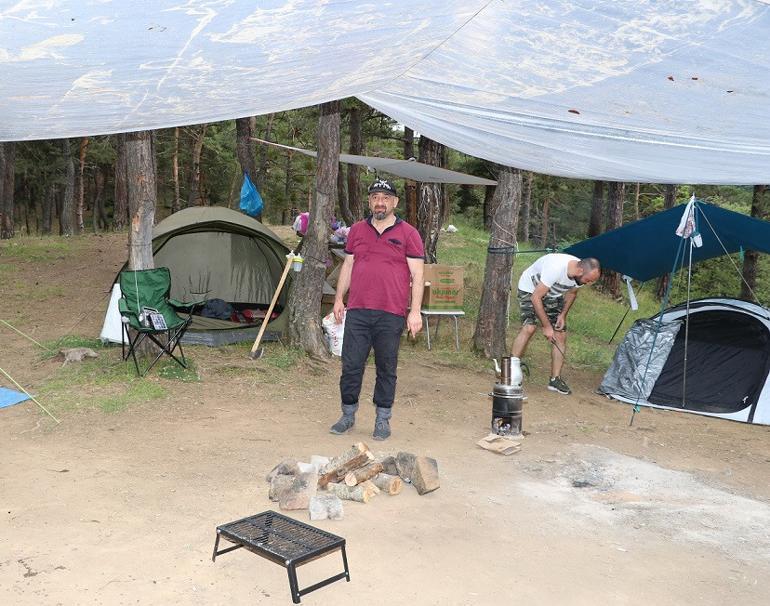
(633, 90)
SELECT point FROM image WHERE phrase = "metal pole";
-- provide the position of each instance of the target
(687, 328)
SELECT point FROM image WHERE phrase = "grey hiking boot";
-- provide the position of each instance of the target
(346, 421)
(558, 384)
(382, 424)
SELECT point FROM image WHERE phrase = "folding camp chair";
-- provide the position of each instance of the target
(145, 308)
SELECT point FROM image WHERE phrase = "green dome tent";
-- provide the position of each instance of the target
(217, 253)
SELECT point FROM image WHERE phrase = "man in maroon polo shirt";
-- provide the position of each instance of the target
(383, 272)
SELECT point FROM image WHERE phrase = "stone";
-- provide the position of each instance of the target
(287, 467)
(389, 465)
(298, 495)
(326, 507)
(421, 472)
(279, 485)
(306, 467)
(319, 462)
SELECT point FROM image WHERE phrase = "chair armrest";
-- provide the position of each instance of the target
(125, 311)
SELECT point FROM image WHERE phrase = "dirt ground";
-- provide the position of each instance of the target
(122, 508)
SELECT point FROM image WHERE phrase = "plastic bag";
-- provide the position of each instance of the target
(334, 333)
(251, 201)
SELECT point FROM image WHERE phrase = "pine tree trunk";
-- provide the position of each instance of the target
(669, 198)
(410, 187)
(196, 196)
(49, 202)
(760, 209)
(544, 218)
(305, 296)
(527, 207)
(597, 210)
(67, 216)
(120, 210)
(616, 192)
(81, 186)
(99, 216)
(342, 194)
(636, 202)
(429, 204)
(289, 177)
(176, 204)
(142, 198)
(7, 179)
(491, 325)
(355, 204)
(262, 170)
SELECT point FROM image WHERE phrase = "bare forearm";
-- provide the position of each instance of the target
(569, 299)
(418, 287)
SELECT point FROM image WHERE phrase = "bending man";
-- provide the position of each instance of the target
(547, 290)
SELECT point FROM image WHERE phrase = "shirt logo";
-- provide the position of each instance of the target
(395, 242)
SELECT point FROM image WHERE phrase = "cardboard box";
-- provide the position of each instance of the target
(443, 287)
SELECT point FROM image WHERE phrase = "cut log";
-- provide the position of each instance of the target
(358, 456)
(369, 486)
(362, 474)
(389, 484)
(349, 493)
(346, 456)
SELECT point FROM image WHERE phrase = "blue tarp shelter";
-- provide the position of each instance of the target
(647, 248)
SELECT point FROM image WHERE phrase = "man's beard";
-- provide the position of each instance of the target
(379, 216)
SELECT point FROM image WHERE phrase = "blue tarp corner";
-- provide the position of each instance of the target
(9, 397)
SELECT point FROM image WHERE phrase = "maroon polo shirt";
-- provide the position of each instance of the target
(381, 278)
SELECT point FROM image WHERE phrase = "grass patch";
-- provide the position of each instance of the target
(169, 369)
(39, 249)
(105, 383)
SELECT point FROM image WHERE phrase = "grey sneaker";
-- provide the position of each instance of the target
(558, 384)
(381, 429)
(344, 425)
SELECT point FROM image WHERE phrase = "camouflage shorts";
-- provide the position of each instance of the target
(553, 307)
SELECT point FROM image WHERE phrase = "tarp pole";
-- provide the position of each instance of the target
(663, 305)
(687, 328)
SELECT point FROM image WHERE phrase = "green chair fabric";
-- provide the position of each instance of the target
(149, 289)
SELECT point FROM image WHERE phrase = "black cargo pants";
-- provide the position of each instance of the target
(367, 329)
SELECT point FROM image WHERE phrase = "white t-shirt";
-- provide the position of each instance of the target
(551, 270)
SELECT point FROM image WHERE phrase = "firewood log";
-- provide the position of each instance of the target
(389, 484)
(358, 456)
(362, 474)
(369, 486)
(349, 493)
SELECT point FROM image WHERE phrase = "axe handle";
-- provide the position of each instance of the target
(266, 319)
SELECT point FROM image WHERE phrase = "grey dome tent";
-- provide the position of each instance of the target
(723, 374)
(218, 253)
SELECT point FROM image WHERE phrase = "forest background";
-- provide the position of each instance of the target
(69, 186)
